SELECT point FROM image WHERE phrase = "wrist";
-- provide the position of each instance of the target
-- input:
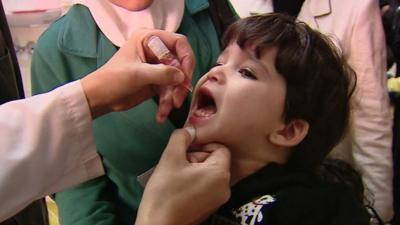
(156, 211)
(93, 92)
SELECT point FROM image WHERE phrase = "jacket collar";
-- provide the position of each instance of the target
(195, 6)
(268, 180)
(81, 37)
(320, 7)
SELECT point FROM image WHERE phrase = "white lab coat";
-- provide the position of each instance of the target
(46, 145)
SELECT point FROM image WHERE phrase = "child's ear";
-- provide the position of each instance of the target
(290, 134)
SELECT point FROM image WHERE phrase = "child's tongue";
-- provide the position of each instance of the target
(206, 111)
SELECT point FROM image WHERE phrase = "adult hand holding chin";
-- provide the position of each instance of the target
(185, 190)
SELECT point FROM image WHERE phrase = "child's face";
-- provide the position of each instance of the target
(132, 5)
(239, 102)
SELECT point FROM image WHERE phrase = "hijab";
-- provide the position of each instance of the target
(118, 23)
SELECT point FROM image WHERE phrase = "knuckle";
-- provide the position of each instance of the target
(215, 147)
(226, 195)
(190, 61)
(183, 43)
(167, 70)
(223, 177)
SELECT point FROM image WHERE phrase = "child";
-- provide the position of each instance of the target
(278, 98)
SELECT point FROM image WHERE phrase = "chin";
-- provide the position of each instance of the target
(132, 5)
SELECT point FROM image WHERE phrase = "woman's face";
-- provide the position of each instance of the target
(132, 5)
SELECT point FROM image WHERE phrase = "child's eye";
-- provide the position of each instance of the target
(217, 64)
(247, 73)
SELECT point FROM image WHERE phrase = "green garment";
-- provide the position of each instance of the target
(129, 142)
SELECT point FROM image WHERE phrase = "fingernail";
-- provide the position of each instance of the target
(188, 85)
(192, 131)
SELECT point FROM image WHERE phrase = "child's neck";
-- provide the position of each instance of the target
(242, 166)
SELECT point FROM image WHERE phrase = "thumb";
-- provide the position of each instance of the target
(177, 146)
(160, 74)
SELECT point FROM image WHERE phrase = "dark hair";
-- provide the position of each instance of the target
(319, 81)
(337, 171)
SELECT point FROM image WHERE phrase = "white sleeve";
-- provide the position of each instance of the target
(46, 145)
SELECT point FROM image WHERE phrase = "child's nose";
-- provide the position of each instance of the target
(217, 75)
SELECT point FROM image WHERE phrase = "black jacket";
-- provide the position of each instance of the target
(274, 195)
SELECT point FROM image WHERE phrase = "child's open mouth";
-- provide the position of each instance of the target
(204, 107)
